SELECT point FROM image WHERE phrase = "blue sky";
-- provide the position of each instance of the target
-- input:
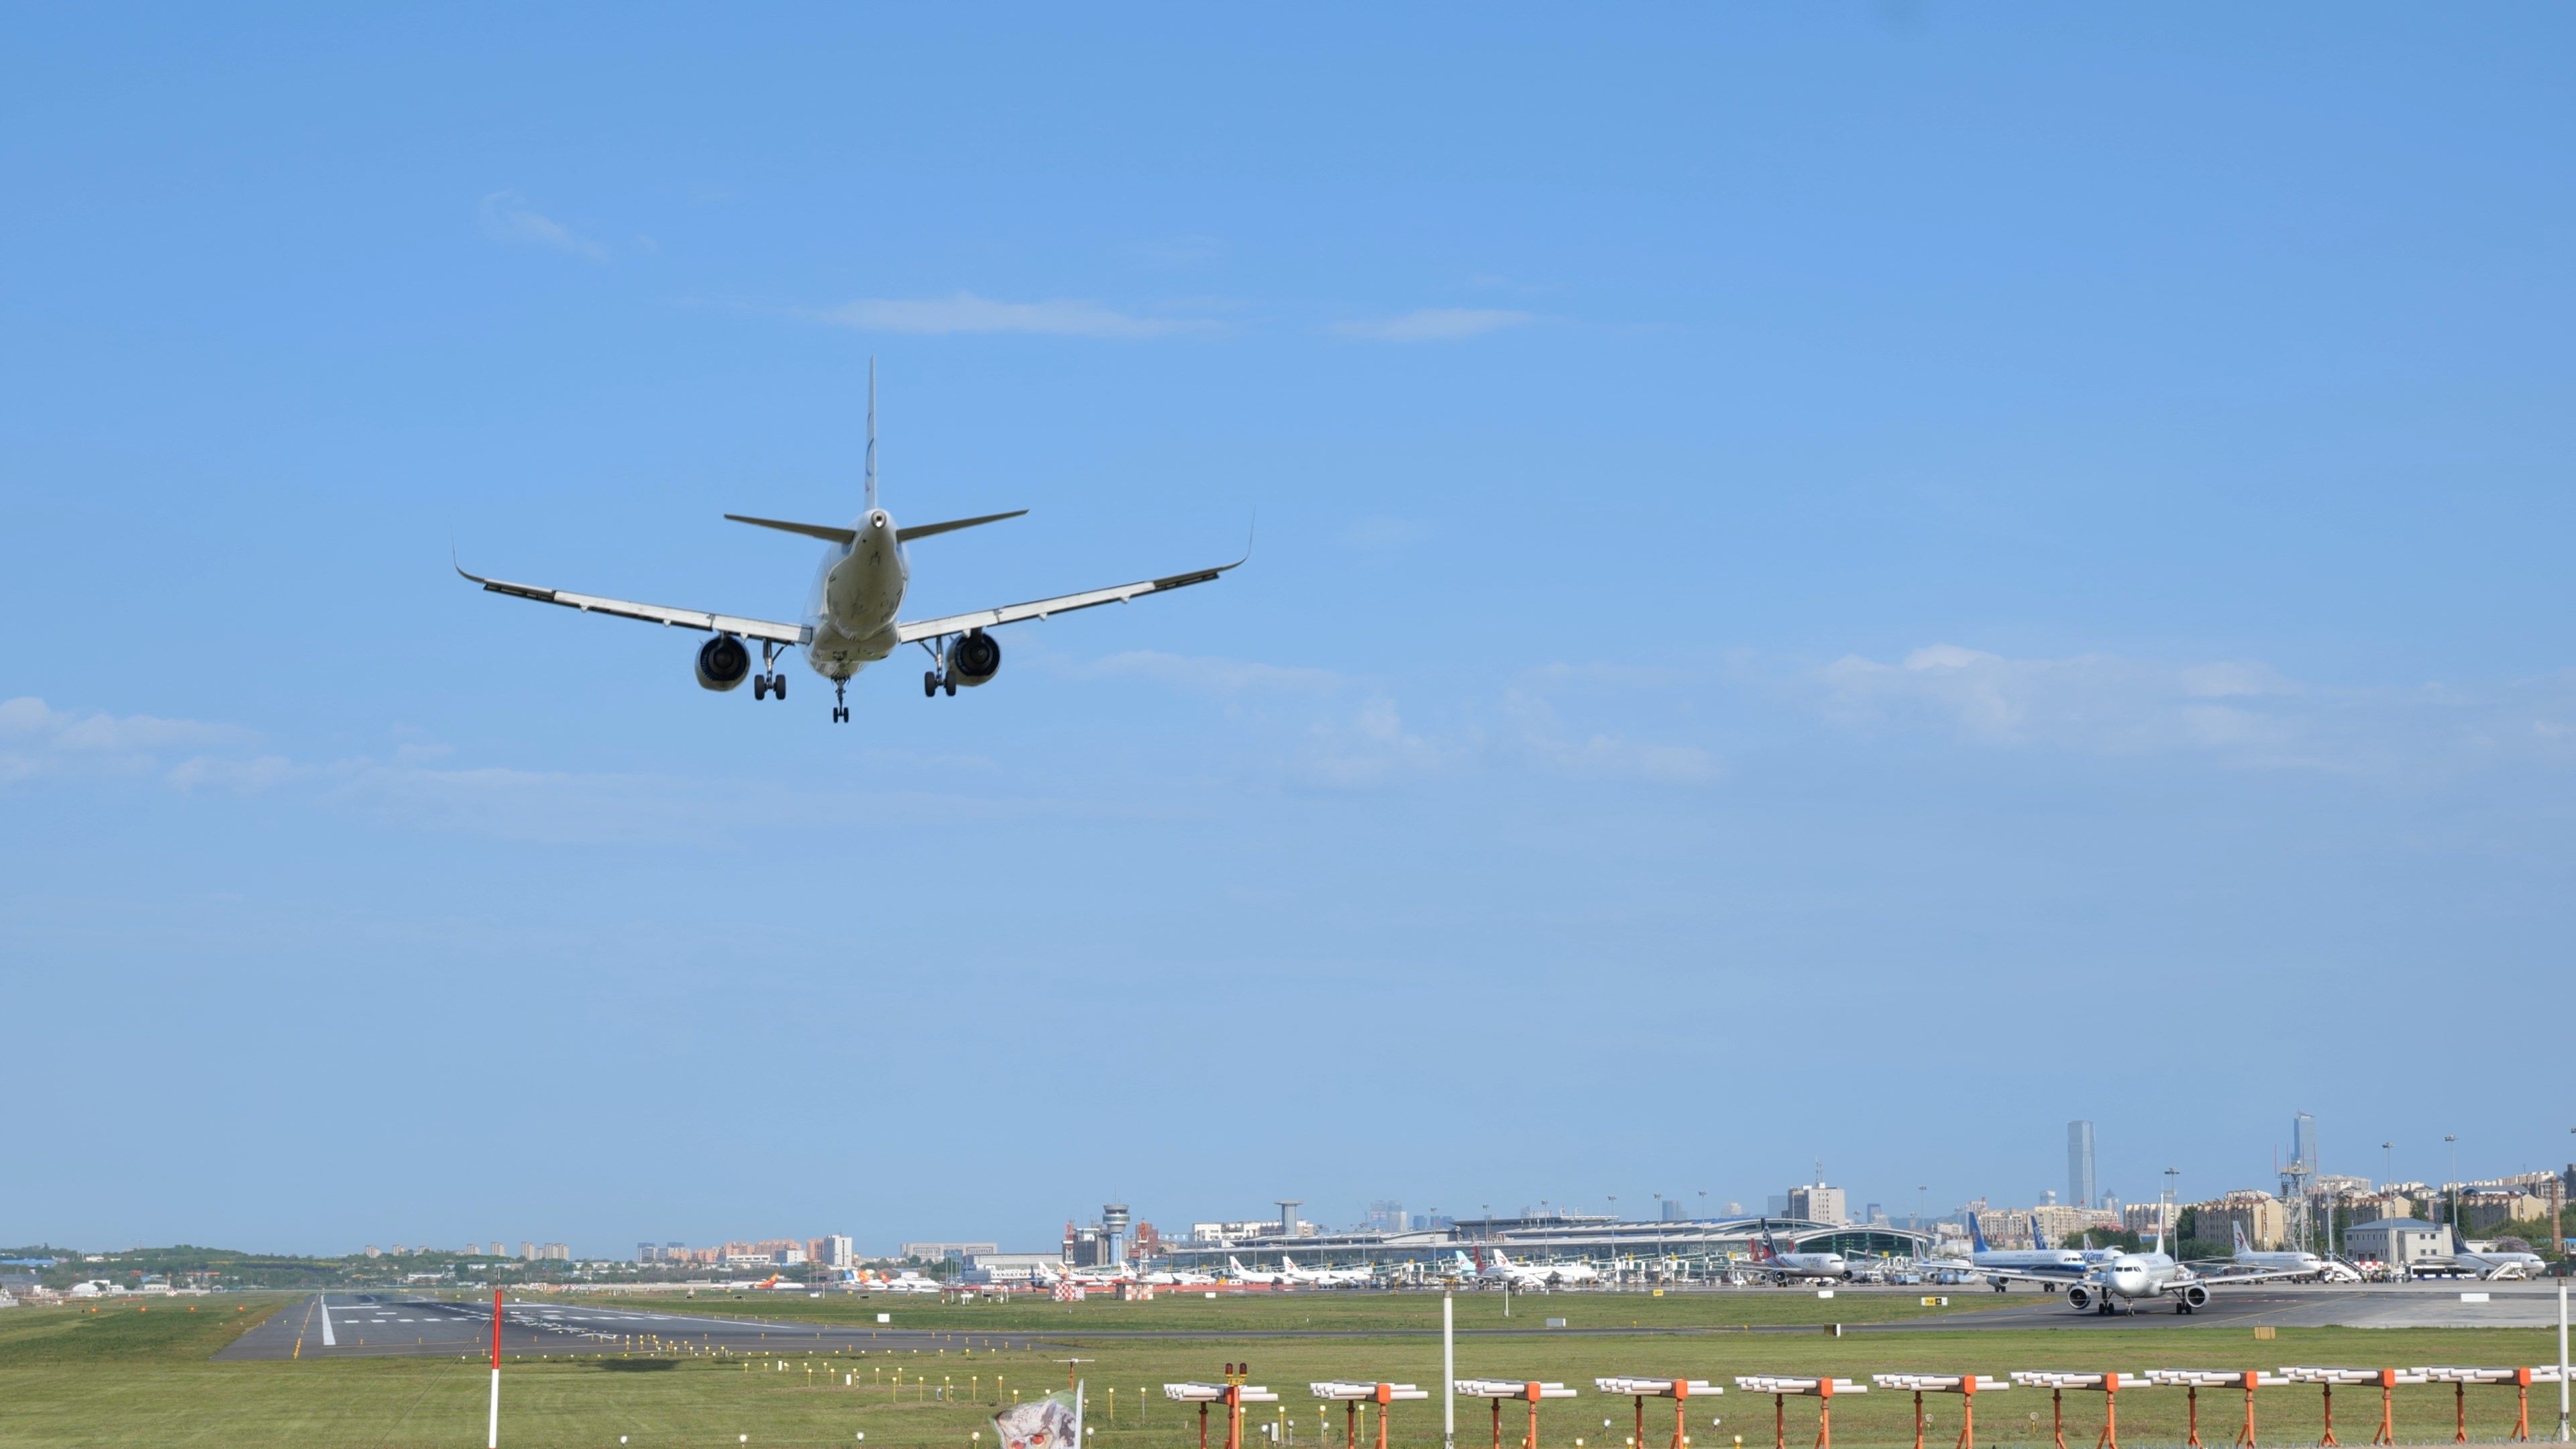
(1841, 583)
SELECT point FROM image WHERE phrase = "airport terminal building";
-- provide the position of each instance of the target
(1697, 1245)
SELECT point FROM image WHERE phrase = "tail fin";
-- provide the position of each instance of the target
(1976, 1235)
(2240, 1240)
(872, 434)
(2038, 1238)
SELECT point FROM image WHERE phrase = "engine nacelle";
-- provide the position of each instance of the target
(2194, 1296)
(975, 658)
(723, 663)
(2078, 1297)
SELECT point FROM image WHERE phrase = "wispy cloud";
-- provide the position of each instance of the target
(38, 741)
(509, 219)
(1380, 534)
(1207, 674)
(966, 314)
(1433, 324)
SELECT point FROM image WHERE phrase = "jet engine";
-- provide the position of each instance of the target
(2194, 1297)
(723, 663)
(2078, 1297)
(975, 658)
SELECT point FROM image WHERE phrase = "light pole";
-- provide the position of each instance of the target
(2389, 1147)
(2453, 1188)
(2171, 1217)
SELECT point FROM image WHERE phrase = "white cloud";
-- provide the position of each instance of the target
(38, 741)
(1433, 324)
(1372, 746)
(968, 314)
(1379, 534)
(1541, 735)
(2093, 702)
(1209, 674)
(508, 218)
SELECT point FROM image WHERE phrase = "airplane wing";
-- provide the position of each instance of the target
(2029, 1275)
(1061, 604)
(762, 629)
(2247, 1275)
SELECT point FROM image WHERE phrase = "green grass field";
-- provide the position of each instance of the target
(120, 1377)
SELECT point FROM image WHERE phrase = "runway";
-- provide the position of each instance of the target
(2281, 1305)
(380, 1325)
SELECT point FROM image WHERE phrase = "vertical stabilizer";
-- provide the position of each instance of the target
(1976, 1235)
(872, 434)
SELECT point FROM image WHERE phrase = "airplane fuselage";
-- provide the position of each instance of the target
(857, 592)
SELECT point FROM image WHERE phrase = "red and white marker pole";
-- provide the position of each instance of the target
(492, 1435)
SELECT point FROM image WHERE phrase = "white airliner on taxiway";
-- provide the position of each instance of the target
(851, 621)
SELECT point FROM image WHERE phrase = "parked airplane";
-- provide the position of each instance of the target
(2301, 1264)
(1327, 1277)
(908, 1281)
(1235, 1270)
(1180, 1278)
(851, 620)
(1787, 1268)
(2496, 1263)
(2048, 1267)
(2154, 1275)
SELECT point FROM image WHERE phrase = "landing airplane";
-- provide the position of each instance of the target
(851, 620)
(1785, 1268)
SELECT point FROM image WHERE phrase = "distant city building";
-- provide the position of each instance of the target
(2079, 1164)
(555, 1252)
(935, 1252)
(838, 1251)
(2303, 1142)
(647, 1253)
(2148, 1218)
(1675, 1210)
(1817, 1203)
(1386, 1215)
(2484, 1208)
(2261, 1215)
(371, 1251)
(527, 1252)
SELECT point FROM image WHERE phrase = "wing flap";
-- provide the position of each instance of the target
(763, 629)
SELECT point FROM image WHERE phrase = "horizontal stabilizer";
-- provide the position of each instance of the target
(824, 531)
(925, 530)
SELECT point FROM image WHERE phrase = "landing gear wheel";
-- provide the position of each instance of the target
(840, 714)
(950, 684)
(929, 684)
(840, 701)
(778, 685)
(760, 686)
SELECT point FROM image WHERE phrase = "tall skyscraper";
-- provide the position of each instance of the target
(2303, 1141)
(2079, 1163)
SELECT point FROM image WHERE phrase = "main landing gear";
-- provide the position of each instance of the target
(769, 681)
(840, 701)
(933, 681)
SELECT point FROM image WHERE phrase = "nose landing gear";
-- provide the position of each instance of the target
(840, 701)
